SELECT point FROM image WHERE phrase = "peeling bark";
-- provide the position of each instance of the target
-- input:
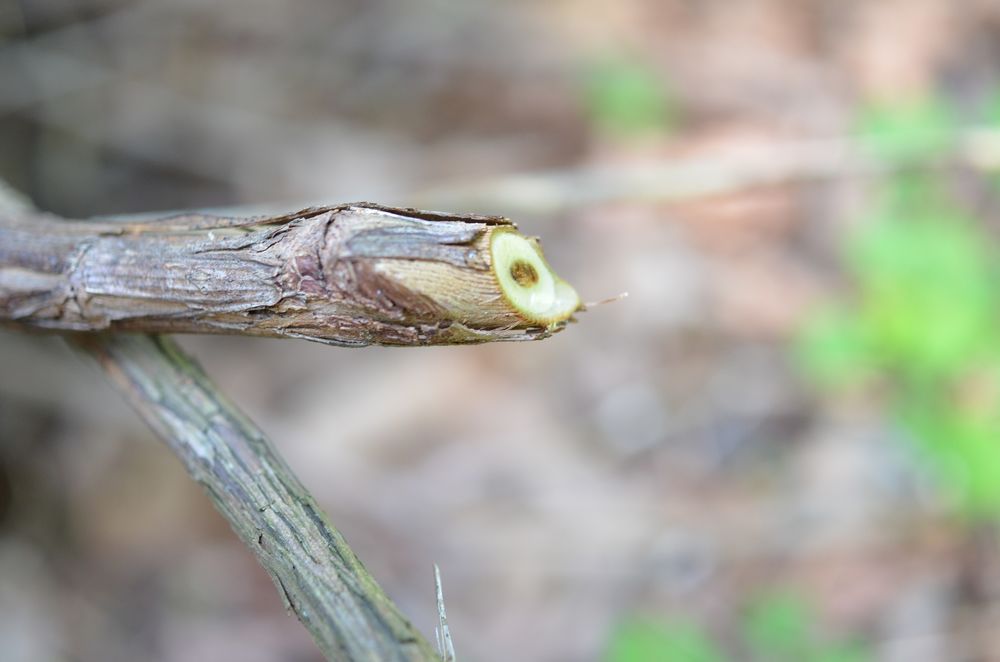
(317, 574)
(350, 275)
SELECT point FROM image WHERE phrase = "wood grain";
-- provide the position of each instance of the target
(353, 275)
(318, 576)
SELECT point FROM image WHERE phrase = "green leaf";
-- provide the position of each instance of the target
(779, 626)
(927, 306)
(991, 114)
(832, 348)
(909, 129)
(645, 641)
(625, 97)
(962, 445)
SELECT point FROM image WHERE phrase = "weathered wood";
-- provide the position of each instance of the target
(352, 275)
(317, 574)
(320, 579)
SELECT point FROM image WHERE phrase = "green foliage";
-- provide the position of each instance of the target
(924, 309)
(646, 641)
(960, 439)
(927, 305)
(624, 98)
(923, 320)
(778, 627)
(833, 348)
(991, 114)
(910, 129)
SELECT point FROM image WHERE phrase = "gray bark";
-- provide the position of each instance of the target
(348, 275)
(317, 574)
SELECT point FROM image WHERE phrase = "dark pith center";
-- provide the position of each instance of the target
(523, 273)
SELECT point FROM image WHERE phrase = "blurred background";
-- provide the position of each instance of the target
(783, 446)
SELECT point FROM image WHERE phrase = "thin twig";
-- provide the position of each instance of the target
(731, 171)
(673, 180)
(321, 580)
(445, 645)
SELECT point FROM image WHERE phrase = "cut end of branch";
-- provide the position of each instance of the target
(351, 275)
(450, 279)
(527, 282)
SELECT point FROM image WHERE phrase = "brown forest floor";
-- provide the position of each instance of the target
(662, 457)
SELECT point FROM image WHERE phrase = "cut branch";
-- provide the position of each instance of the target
(318, 576)
(350, 275)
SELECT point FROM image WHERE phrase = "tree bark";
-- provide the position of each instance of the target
(317, 574)
(351, 275)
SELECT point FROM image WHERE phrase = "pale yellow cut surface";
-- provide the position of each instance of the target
(528, 283)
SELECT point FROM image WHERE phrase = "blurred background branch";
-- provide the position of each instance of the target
(731, 172)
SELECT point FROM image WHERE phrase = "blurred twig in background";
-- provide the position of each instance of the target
(738, 170)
